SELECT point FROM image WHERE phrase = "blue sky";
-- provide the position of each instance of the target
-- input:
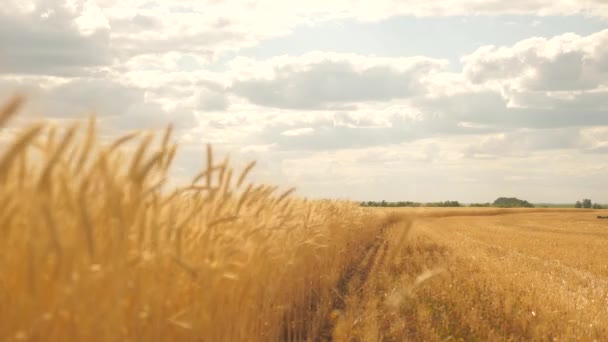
(397, 100)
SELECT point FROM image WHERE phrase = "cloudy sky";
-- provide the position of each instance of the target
(369, 100)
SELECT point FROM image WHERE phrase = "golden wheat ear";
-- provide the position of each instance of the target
(10, 109)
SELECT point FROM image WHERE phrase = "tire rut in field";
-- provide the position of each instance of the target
(358, 271)
(358, 274)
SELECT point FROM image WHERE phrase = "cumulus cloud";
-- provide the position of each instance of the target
(150, 116)
(595, 139)
(211, 100)
(491, 110)
(136, 23)
(281, 12)
(83, 96)
(581, 101)
(67, 97)
(335, 123)
(52, 38)
(317, 131)
(118, 105)
(564, 63)
(331, 81)
(92, 33)
(298, 131)
(523, 142)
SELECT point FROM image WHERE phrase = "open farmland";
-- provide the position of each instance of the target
(488, 274)
(98, 246)
(271, 170)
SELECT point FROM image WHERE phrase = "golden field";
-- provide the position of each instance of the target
(97, 245)
(475, 274)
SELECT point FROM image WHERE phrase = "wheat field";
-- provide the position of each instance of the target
(482, 275)
(98, 245)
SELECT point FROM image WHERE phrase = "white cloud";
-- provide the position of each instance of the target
(331, 81)
(595, 139)
(91, 18)
(211, 100)
(337, 124)
(119, 105)
(94, 33)
(51, 38)
(564, 63)
(257, 148)
(298, 132)
(524, 142)
(82, 96)
(281, 12)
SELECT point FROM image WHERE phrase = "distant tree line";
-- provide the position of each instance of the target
(411, 204)
(446, 204)
(587, 204)
(480, 205)
(502, 202)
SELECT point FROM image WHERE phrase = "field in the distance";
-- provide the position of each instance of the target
(491, 274)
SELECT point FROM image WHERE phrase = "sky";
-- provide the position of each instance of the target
(391, 100)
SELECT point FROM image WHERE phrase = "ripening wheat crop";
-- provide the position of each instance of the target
(96, 246)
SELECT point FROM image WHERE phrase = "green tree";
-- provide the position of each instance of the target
(587, 203)
(578, 204)
(512, 202)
